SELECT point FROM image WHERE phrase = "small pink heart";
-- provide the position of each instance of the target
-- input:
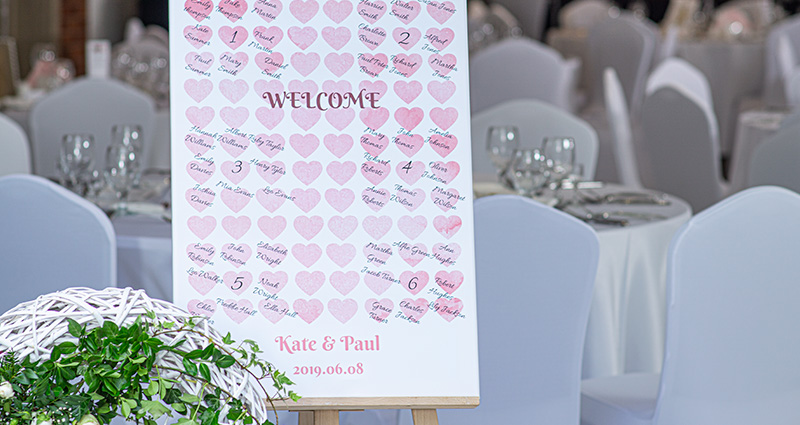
(233, 90)
(444, 118)
(203, 282)
(339, 145)
(305, 145)
(238, 282)
(337, 10)
(379, 282)
(414, 282)
(198, 9)
(233, 37)
(448, 309)
(376, 171)
(371, 37)
(234, 10)
(202, 226)
(308, 227)
(374, 118)
(409, 144)
(410, 198)
(269, 144)
(412, 226)
(408, 91)
(200, 117)
(343, 227)
(441, 11)
(340, 118)
(236, 255)
(445, 199)
(304, 10)
(238, 310)
(201, 170)
(341, 255)
(405, 11)
(273, 310)
(197, 143)
(413, 255)
(340, 200)
(201, 308)
(272, 227)
(407, 65)
(233, 63)
(235, 199)
(307, 172)
(336, 37)
(442, 91)
(375, 198)
(270, 199)
(449, 281)
(234, 144)
(201, 254)
(271, 172)
(377, 254)
(343, 310)
(443, 145)
(372, 65)
(406, 37)
(447, 226)
(273, 255)
(410, 172)
(273, 282)
(440, 38)
(268, 10)
(308, 310)
(306, 200)
(269, 62)
(198, 90)
(305, 63)
(309, 282)
(446, 254)
(270, 118)
(236, 226)
(268, 37)
(338, 64)
(302, 37)
(379, 310)
(374, 88)
(414, 310)
(374, 144)
(371, 10)
(200, 198)
(377, 227)
(442, 64)
(445, 172)
(341, 172)
(344, 282)
(235, 117)
(306, 118)
(199, 62)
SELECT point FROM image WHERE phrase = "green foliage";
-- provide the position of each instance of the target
(112, 371)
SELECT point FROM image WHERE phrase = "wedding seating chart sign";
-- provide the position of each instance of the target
(322, 191)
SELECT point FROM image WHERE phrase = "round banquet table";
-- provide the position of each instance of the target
(626, 322)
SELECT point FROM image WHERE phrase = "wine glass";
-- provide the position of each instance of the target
(560, 154)
(528, 171)
(121, 165)
(130, 135)
(76, 161)
(500, 144)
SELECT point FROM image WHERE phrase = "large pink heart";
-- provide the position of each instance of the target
(375, 198)
(340, 200)
(441, 11)
(269, 144)
(201, 254)
(273, 255)
(372, 65)
(202, 226)
(440, 38)
(268, 37)
(233, 90)
(343, 310)
(448, 309)
(344, 282)
(447, 226)
(238, 310)
(341, 172)
(408, 91)
(198, 9)
(377, 227)
(444, 118)
(236, 255)
(376, 171)
(200, 198)
(235, 117)
(238, 282)
(271, 172)
(412, 226)
(338, 145)
(273, 310)
(305, 63)
(413, 255)
(201, 307)
(340, 118)
(445, 199)
(234, 144)
(372, 37)
(306, 200)
(442, 91)
(379, 310)
(233, 37)
(232, 9)
(236, 226)
(273, 282)
(200, 117)
(198, 143)
(269, 62)
(336, 37)
(377, 254)
(407, 65)
(409, 119)
(374, 118)
(199, 62)
(306, 118)
(373, 88)
(203, 282)
(269, 117)
(406, 37)
(410, 172)
(341, 255)
(406, 11)
(308, 310)
(307, 172)
(310, 282)
(268, 10)
(443, 144)
(302, 37)
(235, 171)
(409, 144)
(271, 199)
(201, 170)
(445, 172)
(371, 10)
(235, 199)
(305, 145)
(233, 63)
(337, 10)
(338, 64)
(449, 281)
(446, 254)
(413, 310)
(272, 227)
(410, 198)
(308, 227)
(442, 64)
(414, 282)
(304, 10)
(307, 255)
(379, 282)
(343, 227)
(198, 90)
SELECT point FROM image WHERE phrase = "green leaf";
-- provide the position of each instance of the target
(189, 398)
(151, 389)
(74, 328)
(155, 408)
(194, 354)
(126, 410)
(190, 366)
(179, 407)
(225, 361)
(227, 340)
(205, 372)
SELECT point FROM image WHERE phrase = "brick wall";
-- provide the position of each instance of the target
(73, 32)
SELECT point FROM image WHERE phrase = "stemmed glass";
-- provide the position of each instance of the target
(560, 154)
(130, 135)
(528, 171)
(121, 165)
(500, 144)
(76, 161)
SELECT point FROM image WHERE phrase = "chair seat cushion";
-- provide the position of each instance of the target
(628, 399)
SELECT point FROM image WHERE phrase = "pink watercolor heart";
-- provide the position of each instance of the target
(441, 11)
(308, 310)
(270, 118)
(342, 255)
(200, 117)
(414, 282)
(273, 310)
(372, 65)
(306, 118)
(198, 9)
(268, 10)
(198, 90)
(271, 172)
(371, 10)
(409, 144)
(340, 118)
(268, 37)
(379, 310)
(406, 38)
(412, 226)
(233, 63)
(238, 310)
(409, 119)
(442, 91)
(200, 198)
(201, 254)
(338, 145)
(236, 226)
(269, 62)
(235, 199)
(272, 227)
(413, 255)
(199, 62)
(203, 282)
(449, 281)
(233, 37)
(410, 172)
(446, 254)
(273, 282)
(235, 171)
(376, 172)
(379, 282)
(377, 254)
(405, 11)
(343, 310)
(447, 226)
(444, 118)
(341, 172)
(273, 255)
(233, 90)
(201, 308)
(202, 226)
(336, 37)
(309, 282)
(445, 172)
(198, 143)
(445, 199)
(304, 10)
(377, 227)
(340, 200)
(414, 310)
(410, 198)
(201, 171)
(302, 37)
(234, 144)
(234, 117)
(307, 172)
(375, 198)
(448, 309)
(407, 65)
(443, 145)
(344, 282)
(236, 255)
(271, 199)
(269, 144)
(337, 11)
(305, 63)
(372, 37)
(343, 227)
(308, 227)
(440, 38)
(305, 145)
(374, 118)
(306, 200)
(264, 88)
(232, 9)
(375, 88)
(338, 64)
(238, 282)
(442, 64)
(408, 91)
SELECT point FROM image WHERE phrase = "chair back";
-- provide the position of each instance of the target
(775, 160)
(91, 106)
(620, 122)
(583, 13)
(532, 70)
(733, 280)
(536, 268)
(680, 151)
(51, 239)
(535, 120)
(774, 91)
(531, 15)
(15, 150)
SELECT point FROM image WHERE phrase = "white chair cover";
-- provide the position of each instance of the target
(531, 15)
(532, 70)
(669, 45)
(583, 13)
(535, 121)
(731, 351)
(533, 307)
(51, 239)
(793, 88)
(786, 57)
(620, 122)
(91, 106)
(680, 153)
(627, 45)
(773, 82)
(15, 150)
(775, 160)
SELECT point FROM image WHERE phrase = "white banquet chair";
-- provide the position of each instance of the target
(732, 320)
(583, 13)
(91, 106)
(51, 239)
(773, 86)
(535, 121)
(679, 72)
(680, 151)
(538, 72)
(622, 137)
(775, 160)
(15, 150)
(531, 15)
(535, 268)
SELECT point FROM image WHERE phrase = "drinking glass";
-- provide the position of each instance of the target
(560, 154)
(528, 171)
(121, 165)
(130, 135)
(76, 161)
(500, 144)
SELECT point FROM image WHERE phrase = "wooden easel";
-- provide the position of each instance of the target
(325, 411)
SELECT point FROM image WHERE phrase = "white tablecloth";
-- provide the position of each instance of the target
(753, 127)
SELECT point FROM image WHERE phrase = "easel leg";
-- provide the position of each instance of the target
(319, 417)
(425, 417)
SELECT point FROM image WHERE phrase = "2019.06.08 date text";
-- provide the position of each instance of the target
(338, 369)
